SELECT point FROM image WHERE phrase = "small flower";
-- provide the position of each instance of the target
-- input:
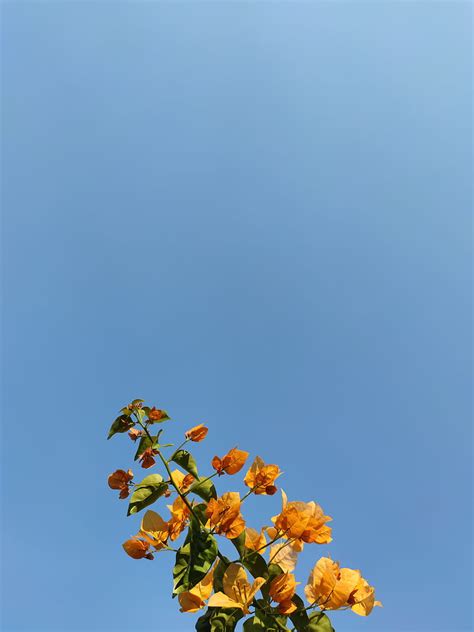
(136, 548)
(179, 518)
(261, 478)
(332, 587)
(231, 463)
(197, 433)
(282, 589)
(120, 479)
(224, 515)
(154, 530)
(237, 590)
(255, 540)
(304, 522)
(147, 458)
(134, 433)
(155, 414)
(182, 481)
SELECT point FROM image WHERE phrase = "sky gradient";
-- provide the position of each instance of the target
(254, 215)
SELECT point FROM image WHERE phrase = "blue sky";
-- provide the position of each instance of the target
(255, 215)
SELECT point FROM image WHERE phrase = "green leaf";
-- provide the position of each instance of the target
(204, 489)
(185, 460)
(200, 512)
(219, 571)
(219, 620)
(299, 619)
(319, 622)
(146, 492)
(146, 442)
(270, 623)
(194, 558)
(121, 424)
(239, 543)
(255, 563)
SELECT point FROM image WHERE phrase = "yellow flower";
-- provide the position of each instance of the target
(179, 518)
(332, 587)
(255, 540)
(154, 529)
(224, 515)
(231, 463)
(261, 478)
(238, 592)
(197, 433)
(195, 599)
(303, 521)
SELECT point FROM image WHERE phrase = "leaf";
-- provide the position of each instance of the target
(185, 460)
(146, 492)
(299, 619)
(219, 571)
(269, 622)
(204, 489)
(194, 558)
(200, 512)
(146, 442)
(121, 424)
(319, 622)
(239, 543)
(255, 563)
(225, 619)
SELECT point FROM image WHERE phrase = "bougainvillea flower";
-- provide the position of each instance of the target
(231, 463)
(255, 540)
(155, 415)
(154, 529)
(224, 515)
(179, 518)
(147, 458)
(137, 548)
(303, 521)
(362, 601)
(261, 478)
(332, 587)
(282, 587)
(134, 433)
(120, 479)
(182, 481)
(197, 433)
(195, 599)
(238, 592)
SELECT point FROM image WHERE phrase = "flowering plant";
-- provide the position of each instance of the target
(259, 585)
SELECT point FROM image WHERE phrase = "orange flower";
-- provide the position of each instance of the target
(179, 518)
(231, 463)
(261, 478)
(181, 480)
(224, 515)
(137, 548)
(332, 587)
(154, 530)
(147, 458)
(120, 479)
(282, 589)
(197, 433)
(195, 599)
(134, 433)
(155, 415)
(255, 540)
(304, 522)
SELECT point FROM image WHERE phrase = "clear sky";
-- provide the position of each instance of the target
(255, 215)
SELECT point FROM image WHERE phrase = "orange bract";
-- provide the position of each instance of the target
(305, 522)
(136, 548)
(120, 479)
(179, 518)
(197, 433)
(134, 433)
(155, 414)
(147, 458)
(231, 463)
(224, 515)
(261, 478)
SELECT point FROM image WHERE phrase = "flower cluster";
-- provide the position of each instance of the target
(203, 578)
